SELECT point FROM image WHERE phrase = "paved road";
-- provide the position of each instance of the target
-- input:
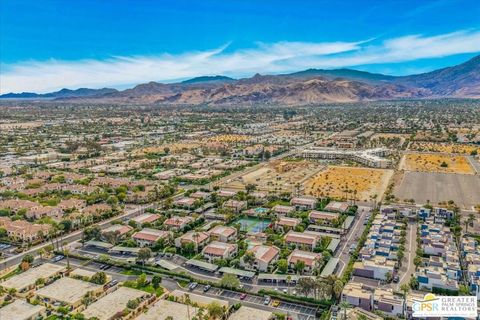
(77, 235)
(475, 164)
(350, 238)
(74, 236)
(408, 267)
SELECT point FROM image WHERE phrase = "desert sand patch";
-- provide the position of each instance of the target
(343, 182)
(430, 162)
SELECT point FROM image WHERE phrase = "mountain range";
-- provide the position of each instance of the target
(300, 88)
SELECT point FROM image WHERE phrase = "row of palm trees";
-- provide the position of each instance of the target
(321, 287)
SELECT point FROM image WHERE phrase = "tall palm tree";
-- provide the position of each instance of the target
(289, 279)
(337, 289)
(41, 253)
(187, 302)
(344, 305)
(66, 252)
(469, 222)
(195, 237)
(405, 289)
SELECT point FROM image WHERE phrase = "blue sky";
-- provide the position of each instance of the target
(47, 45)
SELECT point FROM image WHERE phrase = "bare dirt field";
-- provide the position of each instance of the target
(366, 181)
(439, 187)
(435, 162)
(443, 147)
(277, 176)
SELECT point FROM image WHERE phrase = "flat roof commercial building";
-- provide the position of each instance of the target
(68, 291)
(163, 309)
(25, 281)
(111, 304)
(21, 310)
(371, 157)
(247, 313)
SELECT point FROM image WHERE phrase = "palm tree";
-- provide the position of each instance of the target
(469, 221)
(344, 305)
(405, 289)
(215, 310)
(337, 289)
(41, 253)
(289, 279)
(66, 253)
(195, 237)
(187, 302)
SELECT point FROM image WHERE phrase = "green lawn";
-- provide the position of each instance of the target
(130, 272)
(11, 274)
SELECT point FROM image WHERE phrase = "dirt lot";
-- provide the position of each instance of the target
(443, 147)
(366, 181)
(434, 162)
(439, 187)
(228, 138)
(278, 176)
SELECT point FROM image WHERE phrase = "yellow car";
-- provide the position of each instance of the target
(275, 303)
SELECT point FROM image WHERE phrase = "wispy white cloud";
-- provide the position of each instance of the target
(44, 76)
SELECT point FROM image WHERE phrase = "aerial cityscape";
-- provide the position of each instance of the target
(239, 160)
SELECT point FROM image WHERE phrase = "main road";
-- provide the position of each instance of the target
(77, 235)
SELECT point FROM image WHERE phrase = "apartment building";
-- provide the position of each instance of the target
(148, 237)
(223, 233)
(264, 255)
(199, 239)
(219, 250)
(442, 270)
(323, 217)
(310, 259)
(301, 239)
(304, 202)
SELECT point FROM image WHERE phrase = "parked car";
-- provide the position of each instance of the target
(206, 288)
(192, 285)
(267, 300)
(396, 279)
(58, 258)
(275, 303)
(243, 296)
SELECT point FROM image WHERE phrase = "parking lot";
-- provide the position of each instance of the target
(7, 250)
(300, 311)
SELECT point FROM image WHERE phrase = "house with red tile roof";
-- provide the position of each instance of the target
(235, 205)
(310, 259)
(323, 217)
(119, 229)
(223, 233)
(265, 256)
(148, 237)
(219, 250)
(146, 218)
(283, 210)
(302, 239)
(304, 202)
(287, 223)
(176, 223)
(40, 212)
(336, 206)
(199, 239)
(23, 230)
